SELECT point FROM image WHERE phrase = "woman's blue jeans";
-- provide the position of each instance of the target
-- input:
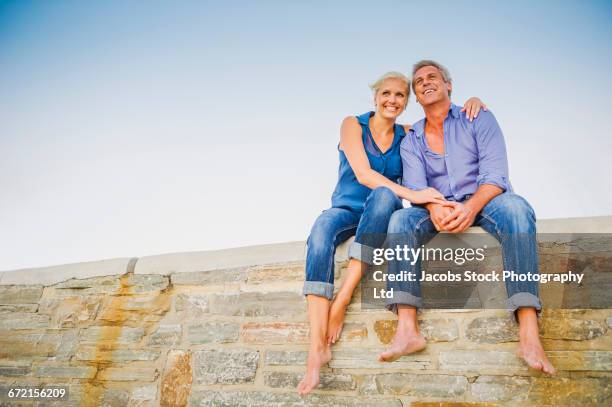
(336, 225)
(508, 217)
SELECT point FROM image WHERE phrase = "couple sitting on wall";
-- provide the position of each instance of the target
(453, 169)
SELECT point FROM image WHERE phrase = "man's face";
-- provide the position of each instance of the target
(429, 86)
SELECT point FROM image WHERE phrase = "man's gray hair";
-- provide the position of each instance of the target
(428, 62)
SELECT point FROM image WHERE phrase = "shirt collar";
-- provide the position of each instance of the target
(419, 127)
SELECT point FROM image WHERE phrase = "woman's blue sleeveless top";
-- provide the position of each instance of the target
(349, 193)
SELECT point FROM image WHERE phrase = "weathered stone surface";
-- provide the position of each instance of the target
(128, 374)
(148, 392)
(572, 329)
(367, 359)
(88, 286)
(115, 334)
(582, 360)
(276, 272)
(192, 305)
(542, 390)
(213, 332)
(450, 404)
(65, 371)
(7, 309)
(177, 380)
(236, 275)
(120, 309)
(500, 388)
(275, 332)
(115, 397)
(329, 381)
(354, 332)
(266, 399)
(609, 322)
(142, 283)
(22, 346)
(20, 294)
(435, 330)
(285, 357)
(253, 304)
(93, 353)
(439, 386)
(168, 335)
(23, 320)
(70, 311)
(225, 366)
(14, 370)
(492, 330)
(480, 360)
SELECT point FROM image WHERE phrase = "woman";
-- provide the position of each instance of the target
(366, 195)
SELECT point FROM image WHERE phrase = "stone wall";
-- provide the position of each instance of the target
(229, 328)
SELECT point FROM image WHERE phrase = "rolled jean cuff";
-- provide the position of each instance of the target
(524, 300)
(403, 298)
(319, 288)
(361, 252)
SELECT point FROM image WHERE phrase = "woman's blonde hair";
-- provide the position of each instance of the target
(391, 75)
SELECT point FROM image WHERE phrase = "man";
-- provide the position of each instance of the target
(466, 161)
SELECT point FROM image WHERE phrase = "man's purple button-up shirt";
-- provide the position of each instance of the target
(474, 154)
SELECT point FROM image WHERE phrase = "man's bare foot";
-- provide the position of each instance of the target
(317, 357)
(335, 322)
(403, 344)
(531, 351)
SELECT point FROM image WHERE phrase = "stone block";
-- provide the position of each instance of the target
(120, 355)
(8, 309)
(329, 381)
(15, 370)
(20, 294)
(276, 272)
(128, 374)
(70, 311)
(226, 366)
(581, 360)
(213, 332)
(435, 330)
(367, 359)
(492, 330)
(192, 305)
(210, 277)
(166, 335)
(438, 386)
(480, 360)
(571, 329)
(114, 334)
(275, 332)
(285, 357)
(177, 380)
(65, 371)
(23, 320)
(268, 399)
(254, 304)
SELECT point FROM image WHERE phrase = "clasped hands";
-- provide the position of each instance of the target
(452, 217)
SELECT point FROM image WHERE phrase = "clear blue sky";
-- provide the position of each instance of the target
(130, 128)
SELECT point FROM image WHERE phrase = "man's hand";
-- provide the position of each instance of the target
(461, 217)
(437, 213)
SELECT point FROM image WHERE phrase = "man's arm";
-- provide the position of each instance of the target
(492, 174)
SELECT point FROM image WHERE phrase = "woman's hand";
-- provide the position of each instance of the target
(427, 195)
(472, 107)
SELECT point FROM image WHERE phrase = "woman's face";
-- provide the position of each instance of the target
(391, 98)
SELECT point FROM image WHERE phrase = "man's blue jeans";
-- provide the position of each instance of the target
(336, 225)
(508, 217)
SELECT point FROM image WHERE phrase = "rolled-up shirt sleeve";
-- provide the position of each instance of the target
(414, 174)
(492, 157)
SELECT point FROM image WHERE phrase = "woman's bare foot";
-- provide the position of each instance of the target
(531, 351)
(317, 357)
(336, 317)
(403, 343)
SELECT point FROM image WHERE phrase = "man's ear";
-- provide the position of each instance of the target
(449, 86)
